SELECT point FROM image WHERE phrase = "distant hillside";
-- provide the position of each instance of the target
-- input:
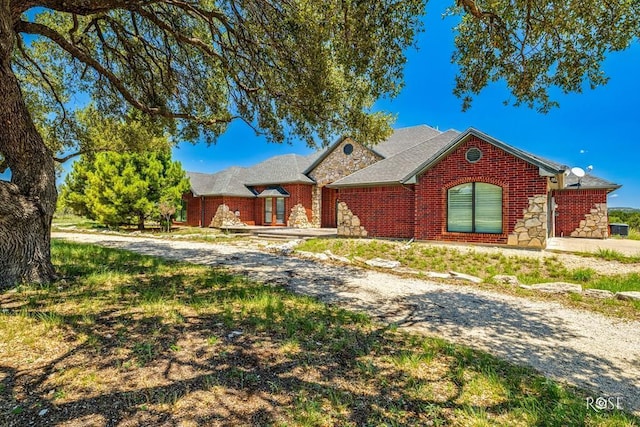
(624, 209)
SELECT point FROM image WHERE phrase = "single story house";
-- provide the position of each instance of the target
(420, 183)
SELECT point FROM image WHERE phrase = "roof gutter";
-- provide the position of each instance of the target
(368, 184)
(582, 187)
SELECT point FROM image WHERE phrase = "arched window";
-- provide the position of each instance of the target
(475, 207)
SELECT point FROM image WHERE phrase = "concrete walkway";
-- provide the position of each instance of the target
(595, 352)
(569, 244)
(283, 232)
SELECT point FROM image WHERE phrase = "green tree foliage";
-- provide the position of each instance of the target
(536, 45)
(299, 69)
(72, 195)
(124, 188)
(94, 132)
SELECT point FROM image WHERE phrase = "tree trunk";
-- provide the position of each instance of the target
(27, 202)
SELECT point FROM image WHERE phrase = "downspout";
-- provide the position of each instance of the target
(201, 211)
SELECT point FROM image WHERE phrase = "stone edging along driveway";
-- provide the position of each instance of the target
(585, 349)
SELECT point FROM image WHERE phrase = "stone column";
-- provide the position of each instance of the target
(298, 217)
(225, 218)
(348, 223)
(531, 230)
(595, 224)
(316, 206)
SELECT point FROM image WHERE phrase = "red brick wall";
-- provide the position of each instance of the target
(573, 205)
(329, 197)
(246, 206)
(193, 209)
(251, 209)
(519, 181)
(383, 211)
(298, 194)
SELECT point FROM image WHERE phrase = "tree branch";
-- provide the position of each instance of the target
(82, 7)
(471, 7)
(76, 154)
(84, 57)
(195, 42)
(44, 76)
(192, 41)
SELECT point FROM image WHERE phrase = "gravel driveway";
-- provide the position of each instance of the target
(586, 349)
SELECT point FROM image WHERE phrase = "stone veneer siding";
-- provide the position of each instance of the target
(337, 165)
(316, 206)
(519, 181)
(349, 225)
(574, 206)
(385, 211)
(225, 217)
(298, 217)
(532, 229)
(595, 224)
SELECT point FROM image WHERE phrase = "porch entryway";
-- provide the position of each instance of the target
(274, 211)
(329, 208)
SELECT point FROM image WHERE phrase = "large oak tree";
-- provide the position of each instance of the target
(293, 67)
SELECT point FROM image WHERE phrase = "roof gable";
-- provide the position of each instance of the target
(288, 168)
(332, 150)
(400, 140)
(343, 159)
(544, 164)
(228, 182)
(397, 168)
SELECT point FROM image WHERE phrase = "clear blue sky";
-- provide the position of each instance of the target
(597, 127)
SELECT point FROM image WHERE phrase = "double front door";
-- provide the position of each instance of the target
(274, 211)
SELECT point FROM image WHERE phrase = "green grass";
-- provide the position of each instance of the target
(145, 341)
(613, 255)
(71, 221)
(528, 270)
(77, 224)
(634, 234)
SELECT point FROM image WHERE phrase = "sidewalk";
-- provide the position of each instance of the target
(570, 244)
